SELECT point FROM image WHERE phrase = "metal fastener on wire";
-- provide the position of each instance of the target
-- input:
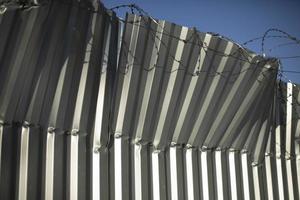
(74, 132)
(26, 124)
(3, 9)
(50, 129)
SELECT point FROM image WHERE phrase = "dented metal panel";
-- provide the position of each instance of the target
(156, 111)
(55, 60)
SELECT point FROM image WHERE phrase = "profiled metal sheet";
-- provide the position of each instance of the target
(200, 91)
(54, 60)
(165, 112)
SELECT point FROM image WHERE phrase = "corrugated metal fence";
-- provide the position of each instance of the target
(157, 111)
(58, 63)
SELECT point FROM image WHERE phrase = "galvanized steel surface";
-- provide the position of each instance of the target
(58, 63)
(157, 111)
(177, 85)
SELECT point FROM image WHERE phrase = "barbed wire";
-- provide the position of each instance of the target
(285, 35)
(285, 99)
(240, 47)
(282, 45)
(201, 45)
(183, 67)
(195, 39)
(290, 71)
(279, 31)
(265, 35)
(288, 57)
(191, 40)
(245, 55)
(263, 38)
(143, 13)
(260, 38)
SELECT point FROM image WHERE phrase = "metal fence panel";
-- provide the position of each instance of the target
(156, 111)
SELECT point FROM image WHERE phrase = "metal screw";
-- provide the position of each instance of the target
(74, 132)
(3, 9)
(51, 130)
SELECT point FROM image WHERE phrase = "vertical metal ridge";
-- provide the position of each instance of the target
(159, 171)
(96, 176)
(269, 161)
(127, 77)
(298, 174)
(11, 92)
(1, 137)
(123, 182)
(208, 185)
(254, 91)
(31, 69)
(289, 110)
(141, 172)
(250, 125)
(173, 173)
(208, 98)
(81, 105)
(288, 140)
(82, 78)
(222, 175)
(149, 80)
(8, 20)
(229, 99)
(189, 174)
(158, 86)
(190, 91)
(220, 194)
(137, 83)
(73, 167)
(50, 135)
(256, 182)
(119, 42)
(280, 179)
(278, 153)
(261, 140)
(170, 86)
(49, 171)
(270, 181)
(245, 172)
(138, 172)
(155, 176)
(183, 76)
(50, 60)
(118, 168)
(98, 125)
(257, 142)
(235, 174)
(98, 122)
(23, 170)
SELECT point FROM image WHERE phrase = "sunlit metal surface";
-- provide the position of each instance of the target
(155, 174)
(24, 147)
(57, 66)
(95, 108)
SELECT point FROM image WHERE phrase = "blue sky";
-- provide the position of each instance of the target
(238, 20)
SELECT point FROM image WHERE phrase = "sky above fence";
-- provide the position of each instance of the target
(239, 20)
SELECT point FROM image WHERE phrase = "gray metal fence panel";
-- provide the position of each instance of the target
(155, 111)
